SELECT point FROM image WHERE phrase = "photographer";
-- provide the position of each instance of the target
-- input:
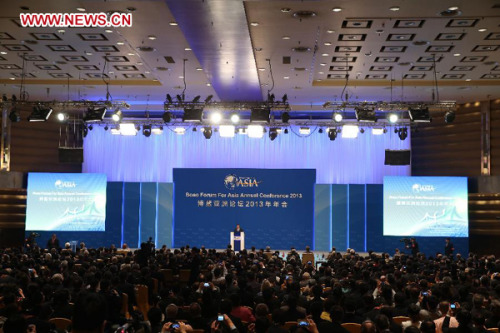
(223, 324)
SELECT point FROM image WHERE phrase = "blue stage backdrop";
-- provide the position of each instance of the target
(274, 207)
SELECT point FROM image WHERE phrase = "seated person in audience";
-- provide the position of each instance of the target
(382, 324)
(414, 314)
(428, 326)
(335, 326)
(464, 323)
(155, 317)
(196, 320)
(89, 315)
(368, 326)
(242, 312)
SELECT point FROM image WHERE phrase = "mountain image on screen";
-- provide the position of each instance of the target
(86, 217)
(441, 221)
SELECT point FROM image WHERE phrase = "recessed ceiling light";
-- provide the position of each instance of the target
(328, 43)
(482, 30)
(155, 80)
(139, 63)
(120, 43)
(394, 8)
(108, 31)
(88, 53)
(285, 37)
(187, 49)
(456, 55)
(131, 54)
(173, 23)
(254, 24)
(329, 31)
(319, 80)
(262, 69)
(325, 55)
(258, 49)
(147, 72)
(321, 73)
(208, 84)
(3, 52)
(468, 80)
(181, 77)
(336, 9)
(453, 8)
(285, 10)
(151, 37)
(322, 64)
(12, 78)
(61, 31)
(80, 9)
(199, 68)
(111, 72)
(286, 77)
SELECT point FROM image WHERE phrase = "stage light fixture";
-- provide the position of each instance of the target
(226, 131)
(284, 99)
(180, 130)
(62, 116)
(117, 115)
(169, 99)
(207, 132)
(138, 127)
(393, 118)
(40, 113)
(128, 129)
(157, 130)
(94, 114)
(14, 115)
(260, 115)
(196, 99)
(273, 133)
(320, 131)
(85, 131)
(255, 131)
(270, 98)
(208, 99)
(167, 116)
(192, 115)
(377, 131)
(285, 117)
(362, 130)
(304, 131)
(146, 130)
(365, 114)
(350, 131)
(106, 128)
(332, 134)
(420, 115)
(179, 98)
(337, 117)
(216, 117)
(242, 131)
(235, 118)
(403, 133)
(285, 131)
(449, 116)
(91, 127)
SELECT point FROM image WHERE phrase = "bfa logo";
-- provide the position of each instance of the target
(232, 181)
(417, 188)
(59, 184)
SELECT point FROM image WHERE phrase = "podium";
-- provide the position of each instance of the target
(237, 241)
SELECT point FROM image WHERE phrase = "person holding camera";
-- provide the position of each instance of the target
(223, 324)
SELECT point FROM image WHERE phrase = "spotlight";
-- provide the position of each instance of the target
(270, 98)
(117, 115)
(273, 133)
(169, 99)
(40, 113)
(332, 134)
(216, 117)
(337, 117)
(85, 131)
(192, 115)
(14, 115)
(285, 117)
(255, 131)
(420, 115)
(235, 118)
(94, 114)
(285, 131)
(326, 105)
(320, 131)
(196, 99)
(138, 127)
(260, 115)
(366, 114)
(304, 130)
(393, 118)
(208, 99)
(449, 116)
(378, 131)
(146, 130)
(91, 127)
(167, 116)
(207, 132)
(180, 130)
(226, 131)
(106, 127)
(362, 130)
(128, 129)
(403, 133)
(62, 116)
(350, 131)
(179, 98)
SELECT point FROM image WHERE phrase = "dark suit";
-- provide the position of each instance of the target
(448, 249)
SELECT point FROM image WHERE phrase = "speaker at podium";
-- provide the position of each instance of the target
(237, 240)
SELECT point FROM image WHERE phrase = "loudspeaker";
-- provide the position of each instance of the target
(71, 155)
(397, 157)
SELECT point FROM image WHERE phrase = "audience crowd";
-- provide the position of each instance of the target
(248, 291)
